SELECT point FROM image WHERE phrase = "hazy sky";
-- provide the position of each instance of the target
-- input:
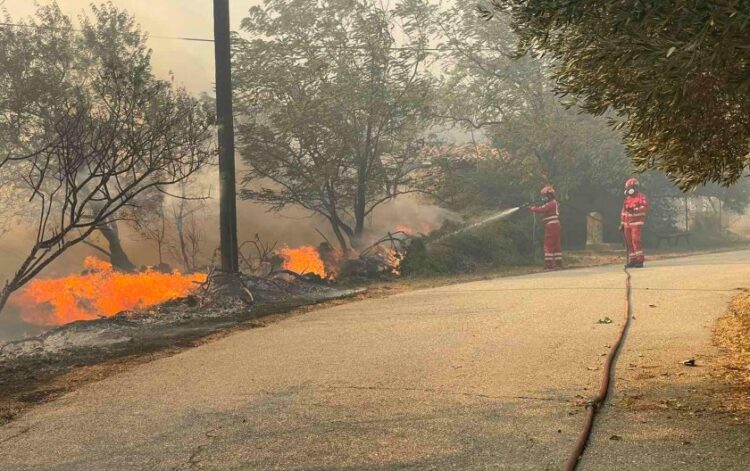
(191, 62)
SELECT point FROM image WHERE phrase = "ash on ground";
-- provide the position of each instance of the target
(169, 324)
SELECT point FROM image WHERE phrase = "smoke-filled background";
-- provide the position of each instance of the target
(191, 65)
(191, 62)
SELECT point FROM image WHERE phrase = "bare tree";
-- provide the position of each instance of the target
(99, 169)
(172, 222)
(189, 233)
(152, 226)
(114, 135)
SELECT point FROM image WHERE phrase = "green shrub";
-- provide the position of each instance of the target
(504, 243)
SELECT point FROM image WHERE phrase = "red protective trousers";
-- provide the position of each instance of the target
(633, 217)
(633, 239)
(552, 233)
(552, 245)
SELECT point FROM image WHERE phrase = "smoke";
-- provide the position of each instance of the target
(192, 63)
(293, 226)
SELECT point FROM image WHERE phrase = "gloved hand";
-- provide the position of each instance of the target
(622, 227)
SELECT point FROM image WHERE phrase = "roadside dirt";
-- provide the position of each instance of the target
(732, 335)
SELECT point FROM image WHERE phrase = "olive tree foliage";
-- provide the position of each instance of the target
(335, 100)
(87, 130)
(676, 72)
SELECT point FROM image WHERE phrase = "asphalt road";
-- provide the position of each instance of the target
(483, 375)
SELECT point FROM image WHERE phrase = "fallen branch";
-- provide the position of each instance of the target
(389, 238)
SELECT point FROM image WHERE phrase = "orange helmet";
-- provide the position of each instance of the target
(547, 189)
(631, 183)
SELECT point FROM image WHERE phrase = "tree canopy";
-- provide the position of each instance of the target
(335, 97)
(676, 72)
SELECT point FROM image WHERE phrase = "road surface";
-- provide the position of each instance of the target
(482, 375)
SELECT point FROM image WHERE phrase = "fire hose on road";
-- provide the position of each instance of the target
(593, 406)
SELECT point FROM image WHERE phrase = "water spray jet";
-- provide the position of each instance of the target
(495, 217)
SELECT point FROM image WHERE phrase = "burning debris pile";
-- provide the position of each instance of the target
(304, 260)
(326, 264)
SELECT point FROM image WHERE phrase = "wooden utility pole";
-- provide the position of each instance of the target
(225, 119)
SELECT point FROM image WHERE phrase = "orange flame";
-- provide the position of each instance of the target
(102, 292)
(303, 260)
(391, 259)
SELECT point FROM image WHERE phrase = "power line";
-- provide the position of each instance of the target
(177, 38)
(351, 48)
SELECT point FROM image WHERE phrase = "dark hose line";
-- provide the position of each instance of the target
(593, 406)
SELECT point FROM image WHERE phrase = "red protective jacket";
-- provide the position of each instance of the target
(634, 210)
(549, 211)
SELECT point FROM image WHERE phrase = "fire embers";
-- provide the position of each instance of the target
(100, 292)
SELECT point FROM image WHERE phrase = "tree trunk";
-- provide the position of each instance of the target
(336, 224)
(360, 201)
(180, 225)
(340, 238)
(119, 259)
(4, 295)
(360, 204)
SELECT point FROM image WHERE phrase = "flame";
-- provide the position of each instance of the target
(101, 292)
(303, 260)
(391, 259)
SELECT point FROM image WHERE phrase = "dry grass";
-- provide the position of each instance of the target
(732, 335)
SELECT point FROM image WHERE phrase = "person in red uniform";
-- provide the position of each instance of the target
(632, 219)
(552, 229)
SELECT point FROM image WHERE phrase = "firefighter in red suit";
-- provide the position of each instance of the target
(632, 219)
(552, 230)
